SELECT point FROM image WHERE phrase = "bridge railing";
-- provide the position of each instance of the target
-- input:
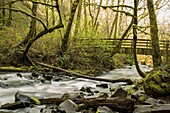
(126, 43)
(143, 46)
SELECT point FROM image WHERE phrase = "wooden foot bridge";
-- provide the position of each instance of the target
(143, 46)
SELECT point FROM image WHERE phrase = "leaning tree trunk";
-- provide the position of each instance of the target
(32, 30)
(135, 22)
(156, 56)
(45, 31)
(65, 40)
(36, 36)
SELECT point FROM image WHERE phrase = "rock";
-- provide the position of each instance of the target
(139, 95)
(68, 106)
(36, 75)
(72, 95)
(81, 107)
(160, 108)
(87, 89)
(47, 77)
(104, 109)
(26, 99)
(103, 95)
(19, 75)
(119, 93)
(152, 101)
(102, 85)
(157, 83)
(3, 85)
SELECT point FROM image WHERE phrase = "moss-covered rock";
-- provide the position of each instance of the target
(157, 83)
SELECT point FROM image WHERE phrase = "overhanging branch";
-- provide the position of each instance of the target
(18, 10)
(29, 1)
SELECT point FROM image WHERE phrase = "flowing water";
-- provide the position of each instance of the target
(32, 87)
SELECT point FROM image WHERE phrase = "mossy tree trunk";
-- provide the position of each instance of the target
(77, 26)
(156, 56)
(45, 31)
(2, 4)
(65, 40)
(9, 14)
(32, 30)
(135, 22)
(85, 18)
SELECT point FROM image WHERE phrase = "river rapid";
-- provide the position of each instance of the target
(10, 83)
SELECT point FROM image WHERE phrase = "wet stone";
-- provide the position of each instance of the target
(36, 75)
(103, 95)
(68, 106)
(104, 109)
(102, 85)
(159, 108)
(87, 89)
(119, 93)
(3, 85)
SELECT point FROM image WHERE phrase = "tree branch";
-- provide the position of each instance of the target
(104, 7)
(27, 14)
(29, 1)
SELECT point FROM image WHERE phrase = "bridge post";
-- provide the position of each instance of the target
(167, 49)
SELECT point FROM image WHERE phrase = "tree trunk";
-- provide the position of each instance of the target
(9, 15)
(46, 12)
(90, 12)
(135, 22)
(52, 12)
(85, 18)
(96, 18)
(116, 21)
(65, 40)
(32, 30)
(77, 26)
(3, 13)
(107, 19)
(120, 20)
(156, 56)
(41, 33)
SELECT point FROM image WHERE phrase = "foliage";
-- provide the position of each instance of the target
(121, 59)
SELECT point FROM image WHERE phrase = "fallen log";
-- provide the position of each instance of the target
(13, 69)
(119, 104)
(72, 73)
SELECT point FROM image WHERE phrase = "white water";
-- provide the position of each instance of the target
(57, 89)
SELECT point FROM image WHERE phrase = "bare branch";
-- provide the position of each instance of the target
(30, 1)
(104, 7)
(18, 10)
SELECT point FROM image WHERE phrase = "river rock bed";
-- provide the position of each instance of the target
(52, 85)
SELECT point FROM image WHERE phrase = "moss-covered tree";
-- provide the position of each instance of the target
(156, 56)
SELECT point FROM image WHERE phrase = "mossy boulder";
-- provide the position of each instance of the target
(157, 82)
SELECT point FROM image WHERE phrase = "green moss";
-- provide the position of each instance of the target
(143, 97)
(13, 69)
(156, 88)
(131, 90)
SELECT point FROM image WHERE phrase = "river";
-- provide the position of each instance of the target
(11, 83)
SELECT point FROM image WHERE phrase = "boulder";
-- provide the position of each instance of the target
(157, 82)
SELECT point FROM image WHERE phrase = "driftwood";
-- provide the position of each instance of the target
(118, 103)
(72, 73)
